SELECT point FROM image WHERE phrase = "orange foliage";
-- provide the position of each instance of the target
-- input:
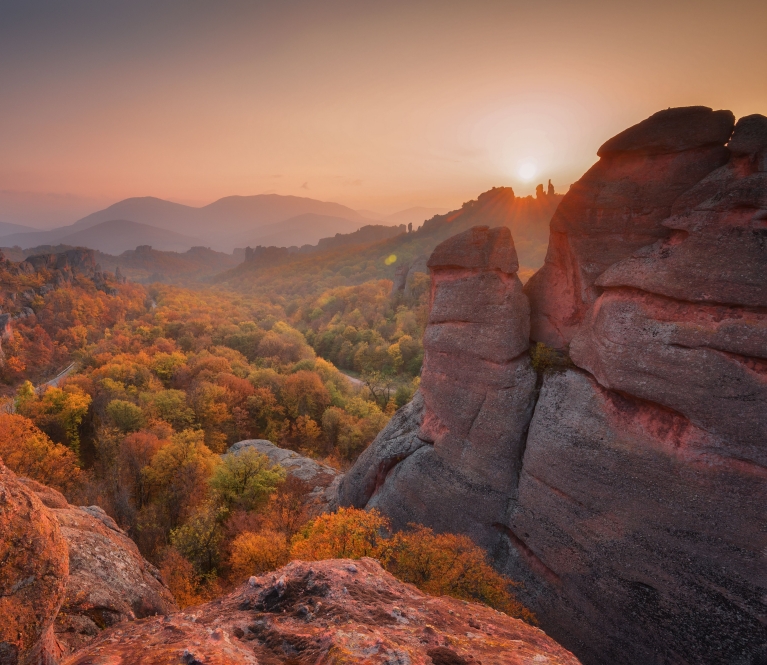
(27, 451)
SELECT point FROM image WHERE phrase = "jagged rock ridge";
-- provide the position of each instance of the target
(626, 489)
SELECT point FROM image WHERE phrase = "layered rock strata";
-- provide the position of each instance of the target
(336, 611)
(626, 488)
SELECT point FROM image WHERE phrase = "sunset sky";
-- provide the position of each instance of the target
(376, 105)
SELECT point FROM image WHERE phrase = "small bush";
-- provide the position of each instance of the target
(256, 553)
(346, 534)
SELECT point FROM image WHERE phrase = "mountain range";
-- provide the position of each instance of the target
(230, 222)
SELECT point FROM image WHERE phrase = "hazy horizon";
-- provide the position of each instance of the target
(374, 106)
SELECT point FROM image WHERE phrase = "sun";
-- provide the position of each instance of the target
(527, 170)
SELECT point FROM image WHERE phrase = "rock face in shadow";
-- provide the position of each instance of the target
(628, 495)
(33, 574)
(335, 611)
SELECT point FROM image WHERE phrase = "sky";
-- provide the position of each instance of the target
(376, 105)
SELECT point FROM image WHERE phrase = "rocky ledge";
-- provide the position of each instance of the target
(333, 612)
(68, 572)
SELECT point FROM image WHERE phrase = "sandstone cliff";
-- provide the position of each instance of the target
(336, 611)
(626, 486)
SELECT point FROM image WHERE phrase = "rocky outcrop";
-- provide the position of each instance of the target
(66, 574)
(33, 574)
(475, 400)
(625, 488)
(618, 207)
(109, 581)
(336, 611)
(320, 478)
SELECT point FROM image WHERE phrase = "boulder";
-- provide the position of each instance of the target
(321, 478)
(335, 611)
(33, 574)
(109, 581)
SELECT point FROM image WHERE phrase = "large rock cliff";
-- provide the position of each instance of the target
(625, 483)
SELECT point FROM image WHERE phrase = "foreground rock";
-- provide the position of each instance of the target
(66, 574)
(33, 574)
(336, 611)
(633, 509)
(109, 581)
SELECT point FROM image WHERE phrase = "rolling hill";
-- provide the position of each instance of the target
(337, 264)
(306, 229)
(119, 235)
(223, 224)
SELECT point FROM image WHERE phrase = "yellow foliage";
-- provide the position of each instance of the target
(256, 553)
(346, 534)
(450, 565)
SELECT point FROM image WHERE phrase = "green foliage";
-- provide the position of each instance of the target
(198, 540)
(245, 479)
(126, 416)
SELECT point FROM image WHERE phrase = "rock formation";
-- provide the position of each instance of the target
(336, 611)
(320, 478)
(67, 573)
(626, 485)
(109, 581)
(33, 574)
(618, 207)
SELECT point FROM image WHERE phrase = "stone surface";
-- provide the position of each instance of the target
(33, 573)
(673, 130)
(323, 479)
(637, 535)
(617, 208)
(717, 251)
(109, 581)
(629, 496)
(336, 611)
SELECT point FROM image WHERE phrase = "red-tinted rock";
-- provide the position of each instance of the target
(109, 581)
(33, 573)
(717, 252)
(638, 535)
(457, 470)
(636, 521)
(479, 248)
(618, 207)
(673, 130)
(336, 611)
